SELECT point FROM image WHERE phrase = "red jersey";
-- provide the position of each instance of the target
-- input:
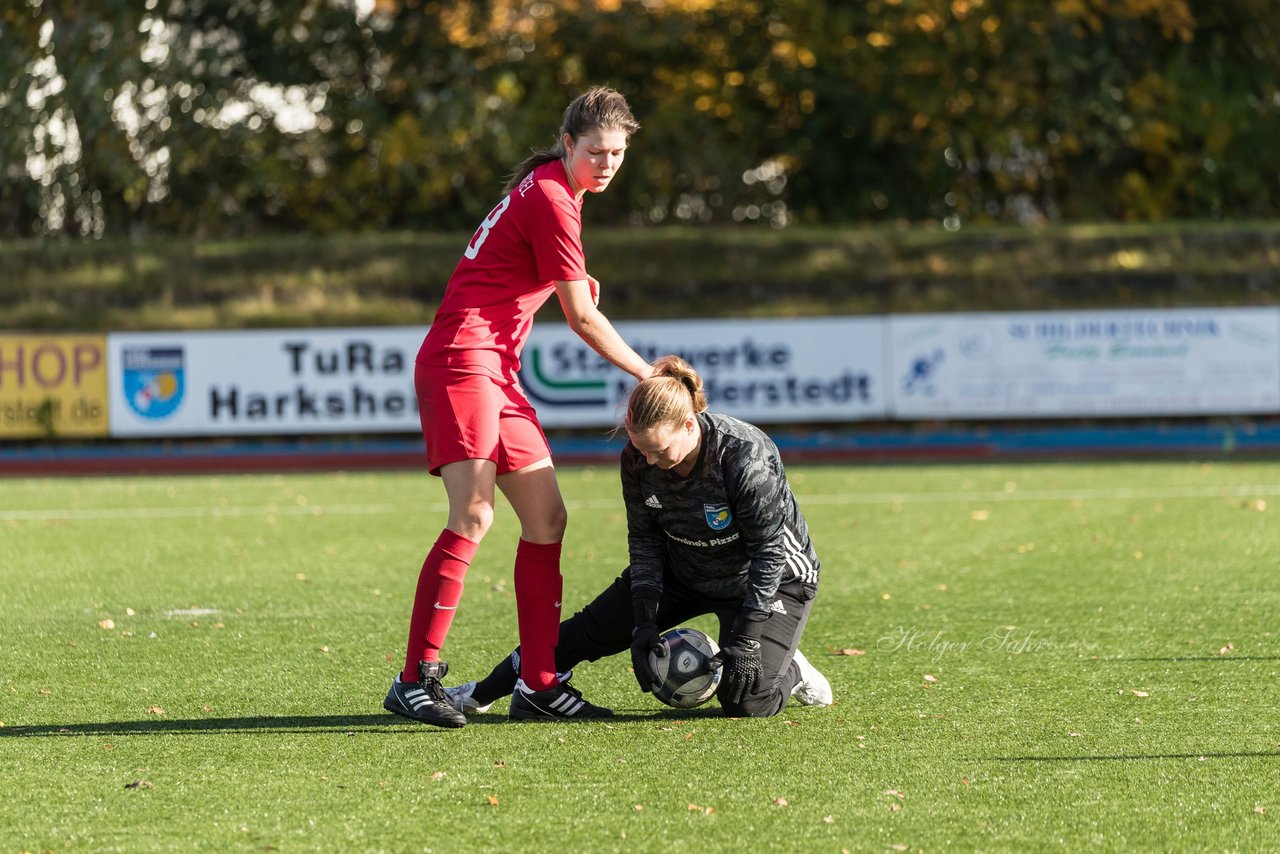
(532, 239)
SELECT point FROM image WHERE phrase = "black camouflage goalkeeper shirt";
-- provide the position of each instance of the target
(730, 529)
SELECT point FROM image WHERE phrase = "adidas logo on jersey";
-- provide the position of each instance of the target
(652, 501)
(777, 607)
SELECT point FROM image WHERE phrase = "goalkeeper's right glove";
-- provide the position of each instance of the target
(646, 641)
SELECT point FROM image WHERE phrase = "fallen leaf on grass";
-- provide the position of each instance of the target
(106, 624)
(493, 800)
(780, 802)
(828, 819)
(155, 710)
(1260, 809)
(439, 775)
(1141, 694)
(895, 793)
(140, 784)
(638, 807)
(1231, 647)
(848, 651)
(929, 677)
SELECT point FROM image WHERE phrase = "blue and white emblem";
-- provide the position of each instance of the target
(154, 380)
(718, 516)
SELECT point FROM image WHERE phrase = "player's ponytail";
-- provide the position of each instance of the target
(667, 397)
(596, 109)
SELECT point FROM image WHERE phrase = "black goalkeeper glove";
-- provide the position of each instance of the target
(740, 658)
(645, 640)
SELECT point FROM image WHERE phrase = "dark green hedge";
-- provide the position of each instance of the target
(663, 272)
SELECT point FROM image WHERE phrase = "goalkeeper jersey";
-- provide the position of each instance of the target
(731, 529)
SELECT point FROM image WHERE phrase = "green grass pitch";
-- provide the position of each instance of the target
(1025, 657)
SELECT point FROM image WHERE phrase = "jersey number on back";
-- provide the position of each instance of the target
(482, 233)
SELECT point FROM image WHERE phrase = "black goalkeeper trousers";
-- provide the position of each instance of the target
(603, 628)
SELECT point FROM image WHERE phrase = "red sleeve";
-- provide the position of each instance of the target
(555, 232)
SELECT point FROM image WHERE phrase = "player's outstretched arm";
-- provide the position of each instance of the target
(578, 299)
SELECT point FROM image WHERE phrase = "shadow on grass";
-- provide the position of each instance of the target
(313, 724)
(1135, 757)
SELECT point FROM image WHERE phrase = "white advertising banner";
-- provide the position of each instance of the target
(305, 381)
(1103, 363)
(271, 382)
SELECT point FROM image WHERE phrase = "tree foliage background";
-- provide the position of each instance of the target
(128, 117)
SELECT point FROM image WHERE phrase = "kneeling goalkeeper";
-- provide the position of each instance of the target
(713, 528)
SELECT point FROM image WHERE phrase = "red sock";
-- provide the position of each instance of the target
(435, 603)
(538, 586)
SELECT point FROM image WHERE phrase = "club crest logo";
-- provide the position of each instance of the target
(154, 380)
(718, 516)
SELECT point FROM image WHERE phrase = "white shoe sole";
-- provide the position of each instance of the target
(813, 689)
(461, 699)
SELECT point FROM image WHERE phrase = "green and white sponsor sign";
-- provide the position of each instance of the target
(767, 371)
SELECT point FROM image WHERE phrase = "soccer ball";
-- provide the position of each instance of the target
(685, 682)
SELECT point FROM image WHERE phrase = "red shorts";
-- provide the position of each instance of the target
(472, 416)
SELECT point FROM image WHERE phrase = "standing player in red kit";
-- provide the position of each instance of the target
(480, 430)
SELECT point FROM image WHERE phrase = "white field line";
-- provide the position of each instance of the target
(886, 498)
(115, 513)
(1119, 494)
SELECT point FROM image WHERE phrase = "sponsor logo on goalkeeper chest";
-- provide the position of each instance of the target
(717, 516)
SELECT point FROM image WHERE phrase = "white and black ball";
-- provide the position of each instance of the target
(684, 680)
